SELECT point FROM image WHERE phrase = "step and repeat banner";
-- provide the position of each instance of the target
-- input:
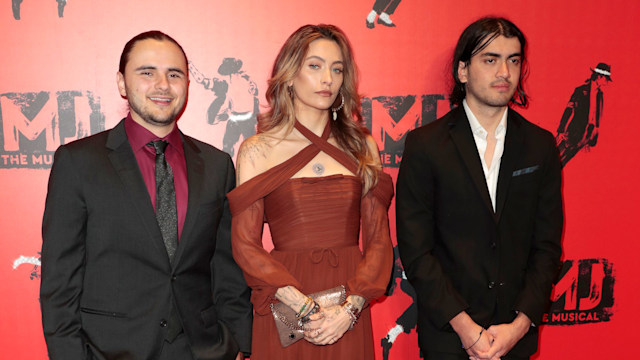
(58, 84)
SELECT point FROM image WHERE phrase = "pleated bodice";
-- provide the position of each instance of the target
(308, 213)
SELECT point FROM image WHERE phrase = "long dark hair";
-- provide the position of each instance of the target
(475, 38)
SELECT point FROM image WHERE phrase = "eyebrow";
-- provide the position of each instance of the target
(178, 70)
(151, 67)
(323, 60)
(492, 54)
(146, 67)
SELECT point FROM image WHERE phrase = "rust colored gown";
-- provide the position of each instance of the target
(314, 224)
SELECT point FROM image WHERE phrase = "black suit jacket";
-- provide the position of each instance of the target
(457, 252)
(107, 284)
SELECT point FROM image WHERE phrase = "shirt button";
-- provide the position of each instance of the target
(163, 323)
(492, 285)
(173, 278)
(493, 245)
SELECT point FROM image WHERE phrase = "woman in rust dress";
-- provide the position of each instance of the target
(314, 175)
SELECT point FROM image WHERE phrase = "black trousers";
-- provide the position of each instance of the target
(388, 6)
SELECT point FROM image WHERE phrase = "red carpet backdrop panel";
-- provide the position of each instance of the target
(57, 84)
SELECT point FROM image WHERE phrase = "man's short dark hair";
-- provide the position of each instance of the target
(153, 34)
(475, 38)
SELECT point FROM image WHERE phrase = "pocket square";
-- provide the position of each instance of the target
(524, 171)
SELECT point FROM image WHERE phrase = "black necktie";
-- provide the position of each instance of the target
(166, 212)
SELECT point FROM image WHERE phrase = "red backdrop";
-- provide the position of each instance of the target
(57, 83)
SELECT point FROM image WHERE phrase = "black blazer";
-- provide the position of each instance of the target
(457, 252)
(107, 284)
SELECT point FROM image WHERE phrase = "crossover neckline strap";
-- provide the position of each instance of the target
(263, 184)
(323, 145)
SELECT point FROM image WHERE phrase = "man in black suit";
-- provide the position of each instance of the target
(120, 279)
(479, 208)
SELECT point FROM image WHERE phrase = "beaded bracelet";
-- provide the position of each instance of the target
(305, 319)
(306, 302)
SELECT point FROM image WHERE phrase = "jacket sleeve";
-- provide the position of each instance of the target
(263, 273)
(374, 270)
(63, 252)
(416, 230)
(544, 259)
(230, 291)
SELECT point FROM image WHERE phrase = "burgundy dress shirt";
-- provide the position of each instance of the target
(139, 137)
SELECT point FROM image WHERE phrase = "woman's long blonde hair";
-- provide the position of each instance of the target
(348, 130)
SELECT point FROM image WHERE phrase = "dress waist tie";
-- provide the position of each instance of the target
(317, 255)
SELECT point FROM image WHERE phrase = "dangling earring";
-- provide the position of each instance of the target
(335, 110)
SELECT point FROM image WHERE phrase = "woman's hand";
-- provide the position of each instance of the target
(296, 300)
(327, 326)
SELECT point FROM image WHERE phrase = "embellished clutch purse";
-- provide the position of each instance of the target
(289, 327)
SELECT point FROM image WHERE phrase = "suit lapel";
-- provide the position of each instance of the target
(460, 132)
(512, 150)
(126, 166)
(195, 175)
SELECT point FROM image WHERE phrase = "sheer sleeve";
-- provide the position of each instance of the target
(374, 271)
(263, 273)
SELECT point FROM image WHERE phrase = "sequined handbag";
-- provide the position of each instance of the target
(290, 328)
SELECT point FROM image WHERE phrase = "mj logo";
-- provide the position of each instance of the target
(390, 118)
(33, 125)
(583, 294)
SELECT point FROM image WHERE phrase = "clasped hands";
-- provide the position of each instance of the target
(495, 341)
(327, 326)
(321, 325)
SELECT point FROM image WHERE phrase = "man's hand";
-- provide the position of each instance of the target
(506, 336)
(240, 356)
(476, 343)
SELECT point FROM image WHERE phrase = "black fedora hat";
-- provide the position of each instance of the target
(604, 70)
